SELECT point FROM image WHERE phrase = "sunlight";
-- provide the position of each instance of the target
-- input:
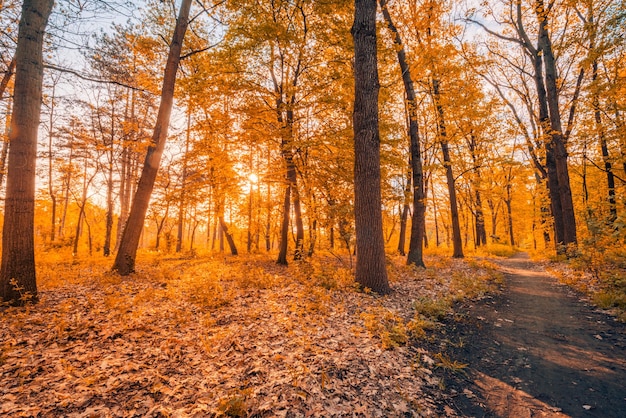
(507, 401)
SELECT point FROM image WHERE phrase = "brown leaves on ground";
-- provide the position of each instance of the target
(224, 337)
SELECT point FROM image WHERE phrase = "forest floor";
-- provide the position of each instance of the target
(225, 336)
(243, 337)
(537, 349)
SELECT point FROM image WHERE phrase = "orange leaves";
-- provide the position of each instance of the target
(254, 339)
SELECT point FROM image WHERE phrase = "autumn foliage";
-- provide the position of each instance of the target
(235, 208)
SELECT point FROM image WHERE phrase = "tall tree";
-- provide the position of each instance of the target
(418, 219)
(371, 271)
(18, 283)
(556, 130)
(125, 260)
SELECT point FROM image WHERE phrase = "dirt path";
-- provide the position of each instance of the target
(536, 350)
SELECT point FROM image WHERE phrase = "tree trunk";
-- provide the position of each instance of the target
(229, 237)
(457, 241)
(406, 209)
(126, 171)
(558, 141)
(51, 191)
(284, 229)
(18, 284)
(125, 260)
(418, 219)
(480, 231)
(608, 168)
(5, 144)
(106, 250)
(67, 182)
(371, 271)
(183, 185)
(312, 237)
(509, 212)
(292, 189)
(550, 166)
(437, 241)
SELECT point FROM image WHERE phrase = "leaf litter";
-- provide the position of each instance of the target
(212, 337)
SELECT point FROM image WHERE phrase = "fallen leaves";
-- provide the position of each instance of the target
(208, 339)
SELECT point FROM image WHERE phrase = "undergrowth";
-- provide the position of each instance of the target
(455, 280)
(600, 268)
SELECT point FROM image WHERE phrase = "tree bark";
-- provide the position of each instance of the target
(509, 212)
(229, 237)
(106, 250)
(291, 179)
(556, 131)
(604, 149)
(457, 240)
(51, 190)
(480, 231)
(371, 271)
(284, 228)
(126, 170)
(183, 185)
(18, 284)
(418, 220)
(125, 260)
(406, 209)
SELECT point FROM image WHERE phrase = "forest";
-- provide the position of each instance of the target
(244, 208)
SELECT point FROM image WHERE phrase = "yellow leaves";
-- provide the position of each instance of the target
(387, 326)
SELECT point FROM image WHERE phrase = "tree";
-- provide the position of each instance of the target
(542, 68)
(125, 259)
(371, 271)
(18, 283)
(419, 207)
(555, 128)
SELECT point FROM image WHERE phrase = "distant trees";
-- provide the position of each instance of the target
(276, 147)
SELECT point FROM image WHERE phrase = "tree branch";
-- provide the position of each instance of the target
(95, 80)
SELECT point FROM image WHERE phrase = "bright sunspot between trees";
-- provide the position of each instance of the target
(304, 208)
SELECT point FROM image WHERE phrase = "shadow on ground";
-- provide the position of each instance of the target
(534, 350)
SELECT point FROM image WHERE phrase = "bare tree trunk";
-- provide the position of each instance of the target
(437, 240)
(608, 167)
(51, 190)
(106, 250)
(553, 181)
(509, 212)
(371, 271)
(125, 260)
(183, 185)
(418, 220)
(284, 229)
(404, 217)
(457, 241)
(292, 189)
(558, 140)
(126, 169)
(18, 284)
(479, 229)
(229, 237)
